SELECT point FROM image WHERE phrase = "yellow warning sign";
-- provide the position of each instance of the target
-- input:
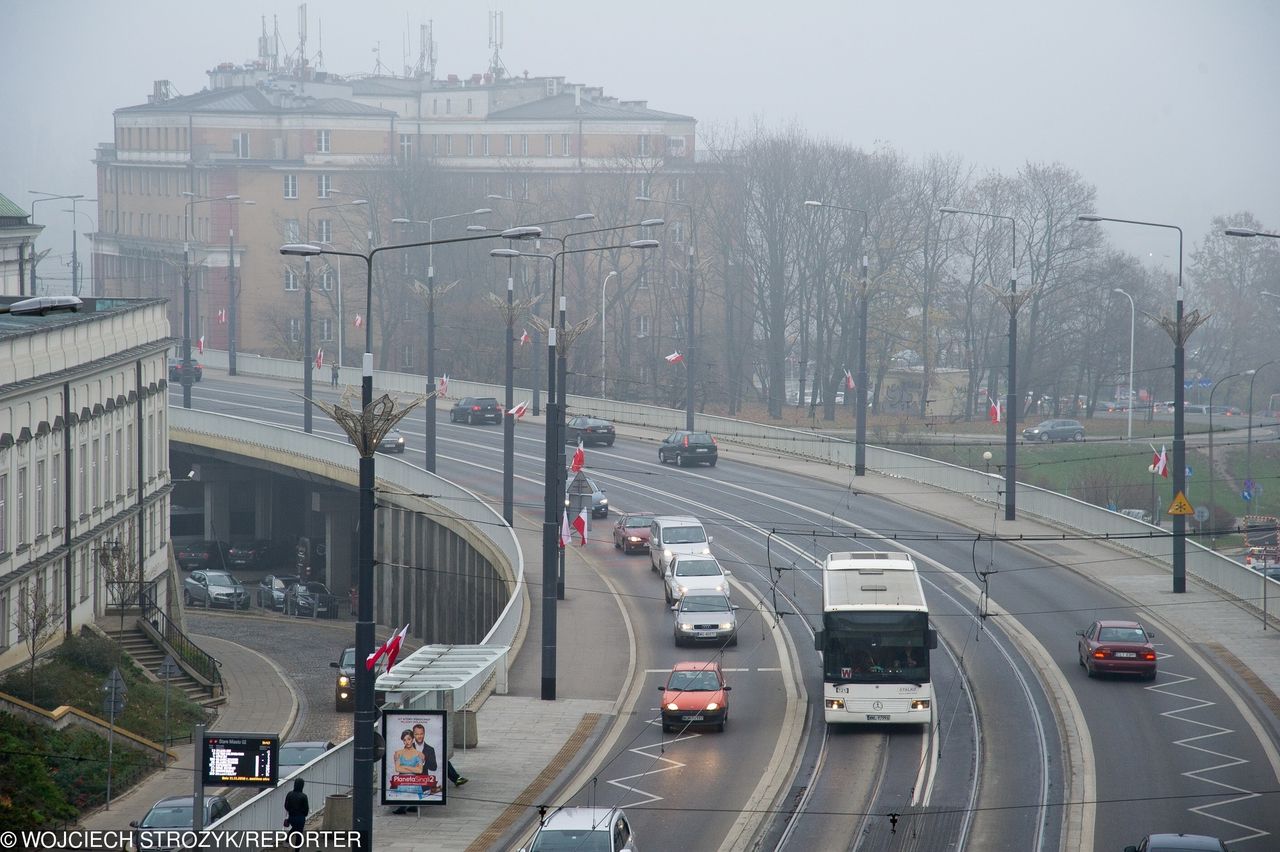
(1180, 505)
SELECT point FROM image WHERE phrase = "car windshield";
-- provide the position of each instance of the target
(278, 584)
(296, 755)
(684, 535)
(693, 681)
(1122, 634)
(348, 660)
(168, 816)
(697, 568)
(704, 603)
(572, 840)
(315, 588)
(638, 521)
(695, 438)
(222, 580)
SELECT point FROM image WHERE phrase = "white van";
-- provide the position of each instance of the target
(671, 535)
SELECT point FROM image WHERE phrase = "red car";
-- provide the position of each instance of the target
(695, 694)
(1117, 647)
(631, 532)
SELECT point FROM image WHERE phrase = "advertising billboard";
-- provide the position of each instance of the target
(416, 757)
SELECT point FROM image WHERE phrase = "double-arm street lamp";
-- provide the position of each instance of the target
(553, 493)
(690, 362)
(49, 196)
(431, 322)
(365, 712)
(307, 355)
(1133, 319)
(1179, 328)
(1011, 303)
(860, 446)
(187, 372)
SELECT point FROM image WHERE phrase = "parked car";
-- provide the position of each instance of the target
(1116, 647)
(599, 501)
(176, 371)
(476, 409)
(310, 598)
(588, 829)
(259, 554)
(344, 684)
(631, 532)
(296, 754)
(592, 430)
(705, 617)
(686, 448)
(202, 554)
(693, 573)
(695, 694)
(272, 588)
(214, 588)
(174, 813)
(1137, 514)
(1054, 430)
(1178, 843)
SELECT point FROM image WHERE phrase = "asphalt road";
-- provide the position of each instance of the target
(1168, 754)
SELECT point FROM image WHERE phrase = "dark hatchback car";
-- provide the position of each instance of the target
(476, 409)
(686, 448)
(344, 684)
(631, 532)
(195, 555)
(1054, 430)
(592, 430)
(176, 371)
(259, 554)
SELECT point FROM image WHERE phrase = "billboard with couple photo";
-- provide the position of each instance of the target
(413, 768)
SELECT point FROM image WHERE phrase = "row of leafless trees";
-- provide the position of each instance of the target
(778, 283)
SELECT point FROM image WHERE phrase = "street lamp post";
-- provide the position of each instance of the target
(49, 196)
(187, 371)
(309, 357)
(553, 490)
(75, 247)
(430, 457)
(366, 713)
(1012, 304)
(860, 434)
(690, 362)
(1133, 318)
(604, 355)
(1212, 504)
(1179, 329)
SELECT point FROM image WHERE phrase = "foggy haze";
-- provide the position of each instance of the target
(1166, 107)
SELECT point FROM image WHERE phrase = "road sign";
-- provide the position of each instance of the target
(1246, 495)
(1188, 384)
(1189, 471)
(1205, 382)
(1202, 513)
(113, 694)
(1180, 505)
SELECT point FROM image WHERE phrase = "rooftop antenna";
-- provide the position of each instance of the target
(404, 47)
(426, 66)
(378, 67)
(496, 68)
(319, 63)
(268, 53)
(302, 41)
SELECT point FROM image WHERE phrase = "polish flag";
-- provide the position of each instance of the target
(200, 345)
(319, 358)
(995, 412)
(222, 316)
(384, 650)
(674, 358)
(1160, 461)
(580, 524)
(848, 380)
(579, 458)
(524, 337)
(442, 387)
(359, 320)
(393, 646)
(565, 535)
(519, 411)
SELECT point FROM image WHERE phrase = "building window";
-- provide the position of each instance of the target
(406, 355)
(322, 142)
(326, 278)
(4, 513)
(107, 496)
(118, 467)
(4, 619)
(435, 145)
(290, 279)
(642, 326)
(128, 461)
(96, 492)
(324, 186)
(326, 329)
(471, 145)
(83, 478)
(642, 279)
(468, 106)
(642, 142)
(295, 329)
(55, 492)
(40, 497)
(484, 145)
(21, 506)
(566, 144)
(290, 186)
(524, 144)
(677, 233)
(644, 186)
(448, 106)
(448, 146)
(508, 148)
(84, 574)
(546, 146)
(240, 145)
(435, 106)
(406, 146)
(324, 230)
(677, 189)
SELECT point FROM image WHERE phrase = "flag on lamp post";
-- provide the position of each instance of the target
(519, 411)
(222, 316)
(389, 649)
(320, 358)
(200, 345)
(579, 458)
(674, 358)
(442, 387)
(1160, 461)
(848, 380)
(580, 524)
(359, 320)
(995, 412)
(524, 337)
(564, 528)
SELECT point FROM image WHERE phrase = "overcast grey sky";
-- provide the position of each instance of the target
(1167, 106)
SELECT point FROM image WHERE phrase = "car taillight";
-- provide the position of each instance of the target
(713, 440)
(686, 440)
(1102, 653)
(1148, 655)
(475, 408)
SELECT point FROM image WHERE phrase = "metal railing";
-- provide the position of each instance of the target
(197, 659)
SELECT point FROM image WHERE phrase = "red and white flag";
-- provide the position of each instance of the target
(1160, 461)
(564, 528)
(200, 345)
(848, 380)
(674, 358)
(319, 358)
(580, 524)
(359, 320)
(442, 387)
(519, 411)
(389, 649)
(524, 337)
(222, 316)
(995, 412)
(579, 458)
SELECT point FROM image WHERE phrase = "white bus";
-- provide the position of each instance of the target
(875, 640)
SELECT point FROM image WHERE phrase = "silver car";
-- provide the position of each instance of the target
(705, 617)
(690, 574)
(214, 588)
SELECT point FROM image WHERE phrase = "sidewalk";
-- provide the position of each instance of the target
(259, 698)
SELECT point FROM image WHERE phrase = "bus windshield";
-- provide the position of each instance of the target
(875, 647)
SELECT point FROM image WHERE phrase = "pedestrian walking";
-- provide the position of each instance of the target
(333, 374)
(296, 808)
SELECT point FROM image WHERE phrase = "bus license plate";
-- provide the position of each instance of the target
(877, 717)
(842, 690)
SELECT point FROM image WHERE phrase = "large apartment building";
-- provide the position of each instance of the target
(261, 158)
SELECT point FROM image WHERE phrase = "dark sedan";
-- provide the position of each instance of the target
(202, 554)
(686, 448)
(592, 430)
(1055, 430)
(310, 599)
(1117, 647)
(476, 409)
(271, 590)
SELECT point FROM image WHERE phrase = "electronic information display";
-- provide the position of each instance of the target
(239, 760)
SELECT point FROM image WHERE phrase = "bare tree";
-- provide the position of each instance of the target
(119, 572)
(39, 619)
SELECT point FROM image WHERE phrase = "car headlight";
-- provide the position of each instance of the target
(634, 539)
(681, 589)
(713, 706)
(920, 704)
(835, 703)
(706, 551)
(720, 587)
(686, 627)
(728, 625)
(666, 554)
(673, 706)
(604, 500)
(343, 680)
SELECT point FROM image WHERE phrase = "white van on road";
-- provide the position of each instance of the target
(672, 535)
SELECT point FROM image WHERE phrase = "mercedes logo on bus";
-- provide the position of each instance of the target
(877, 705)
